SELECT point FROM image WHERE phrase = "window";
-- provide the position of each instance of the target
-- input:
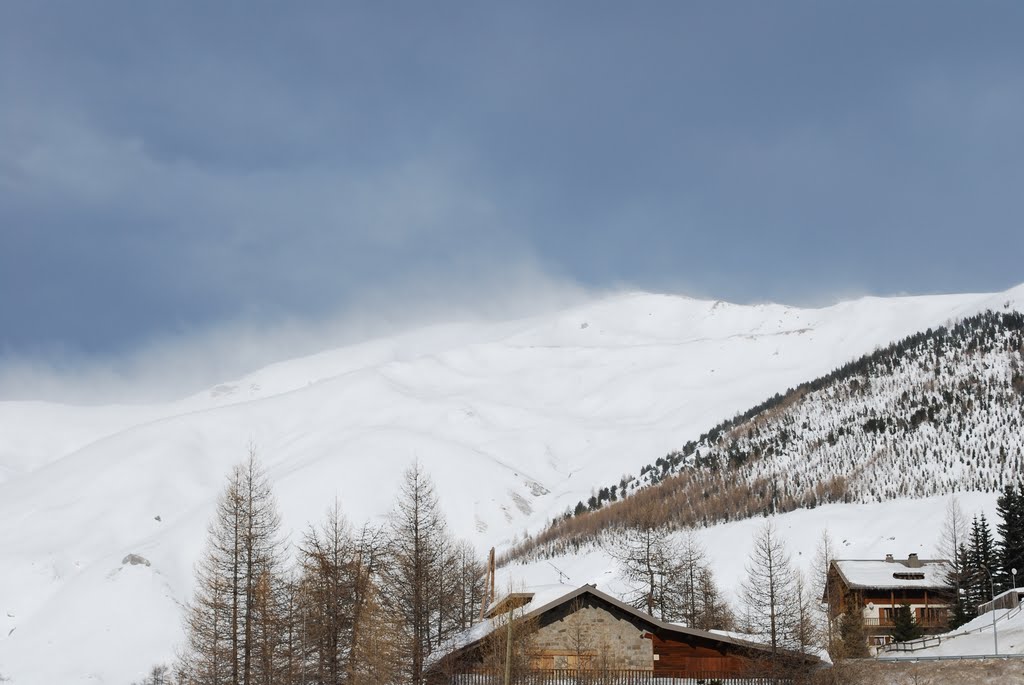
(932, 616)
(555, 660)
(908, 576)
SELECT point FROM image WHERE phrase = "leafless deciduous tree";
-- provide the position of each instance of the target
(336, 585)
(954, 534)
(357, 607)
(412, 575)
(770, 591)
(714, 612)
(158, 675)
(234, 621)
(824, 554)
(669, 576)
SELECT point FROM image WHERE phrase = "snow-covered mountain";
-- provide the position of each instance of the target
(941, 411)
(515, 421)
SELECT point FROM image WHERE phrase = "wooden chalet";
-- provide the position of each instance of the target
(878, 587)
(585, 629)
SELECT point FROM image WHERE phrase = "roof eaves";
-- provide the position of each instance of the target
(669, 627)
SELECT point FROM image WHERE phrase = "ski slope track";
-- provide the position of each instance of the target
(515, 421)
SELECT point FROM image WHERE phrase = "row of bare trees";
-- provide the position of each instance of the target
(352, 607)
(669, 577)
(779, 603)
(369, 605)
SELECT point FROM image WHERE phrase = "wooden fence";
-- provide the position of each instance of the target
(615, 677)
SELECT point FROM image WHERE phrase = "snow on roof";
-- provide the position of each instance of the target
(819, 652)
(541, 595)
(545, 597)
(895, 574)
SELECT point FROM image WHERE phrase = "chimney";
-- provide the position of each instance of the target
(888, 557)
(913, 561)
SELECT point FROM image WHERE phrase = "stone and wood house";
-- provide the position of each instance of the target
(589, 630)
(878, 587)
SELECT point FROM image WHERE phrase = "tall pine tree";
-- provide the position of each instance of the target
(1010, 507)
(980, 563)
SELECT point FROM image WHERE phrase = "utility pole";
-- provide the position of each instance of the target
(508, 651)
(995, 633)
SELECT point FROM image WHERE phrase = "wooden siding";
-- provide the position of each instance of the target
(678, 656)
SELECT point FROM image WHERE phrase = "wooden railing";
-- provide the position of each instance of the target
(617, 677)
(912, 645)
(882, 622)
(879, 622)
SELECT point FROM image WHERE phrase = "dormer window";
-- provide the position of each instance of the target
(908, 576)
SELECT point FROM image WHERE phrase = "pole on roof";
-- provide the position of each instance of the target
(488, 585)
(493, 570)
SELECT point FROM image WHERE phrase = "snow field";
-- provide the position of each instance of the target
(514, 421)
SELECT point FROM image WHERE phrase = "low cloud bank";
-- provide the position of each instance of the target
(176, 366)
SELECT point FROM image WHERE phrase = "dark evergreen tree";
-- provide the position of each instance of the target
(904, 626)
(1010, 507)
(980, 563)
(852, 636)
(962, 610)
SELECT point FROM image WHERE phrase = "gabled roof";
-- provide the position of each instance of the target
(897, 574)
(476, 634)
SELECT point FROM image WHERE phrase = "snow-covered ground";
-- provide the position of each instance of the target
(858, 531)
(976, 638)
(515, 421)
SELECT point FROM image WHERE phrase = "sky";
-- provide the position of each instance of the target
(186, 171)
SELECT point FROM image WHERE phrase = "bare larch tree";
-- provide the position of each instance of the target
(233, 623)
(770, 590)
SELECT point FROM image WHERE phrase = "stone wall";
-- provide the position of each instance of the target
(991, 671)
(611, 641)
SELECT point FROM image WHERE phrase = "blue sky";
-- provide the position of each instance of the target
(169, 168)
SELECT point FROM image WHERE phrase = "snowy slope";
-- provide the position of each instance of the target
(976, 637)
(858, 531)
(515, 421)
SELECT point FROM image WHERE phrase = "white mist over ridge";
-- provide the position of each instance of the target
(515, 421)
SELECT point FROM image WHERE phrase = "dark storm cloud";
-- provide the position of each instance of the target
(165, 167)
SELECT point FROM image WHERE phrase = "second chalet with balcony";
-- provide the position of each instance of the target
(878, 587)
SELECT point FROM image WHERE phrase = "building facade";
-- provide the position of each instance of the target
(585, 629)
(877, 588)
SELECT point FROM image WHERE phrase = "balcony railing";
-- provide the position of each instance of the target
(885, 622)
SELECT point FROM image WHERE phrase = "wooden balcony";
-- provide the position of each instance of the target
(877, 622)
(882, 622)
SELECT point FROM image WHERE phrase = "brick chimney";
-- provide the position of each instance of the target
(913, 561)
(888, 557)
